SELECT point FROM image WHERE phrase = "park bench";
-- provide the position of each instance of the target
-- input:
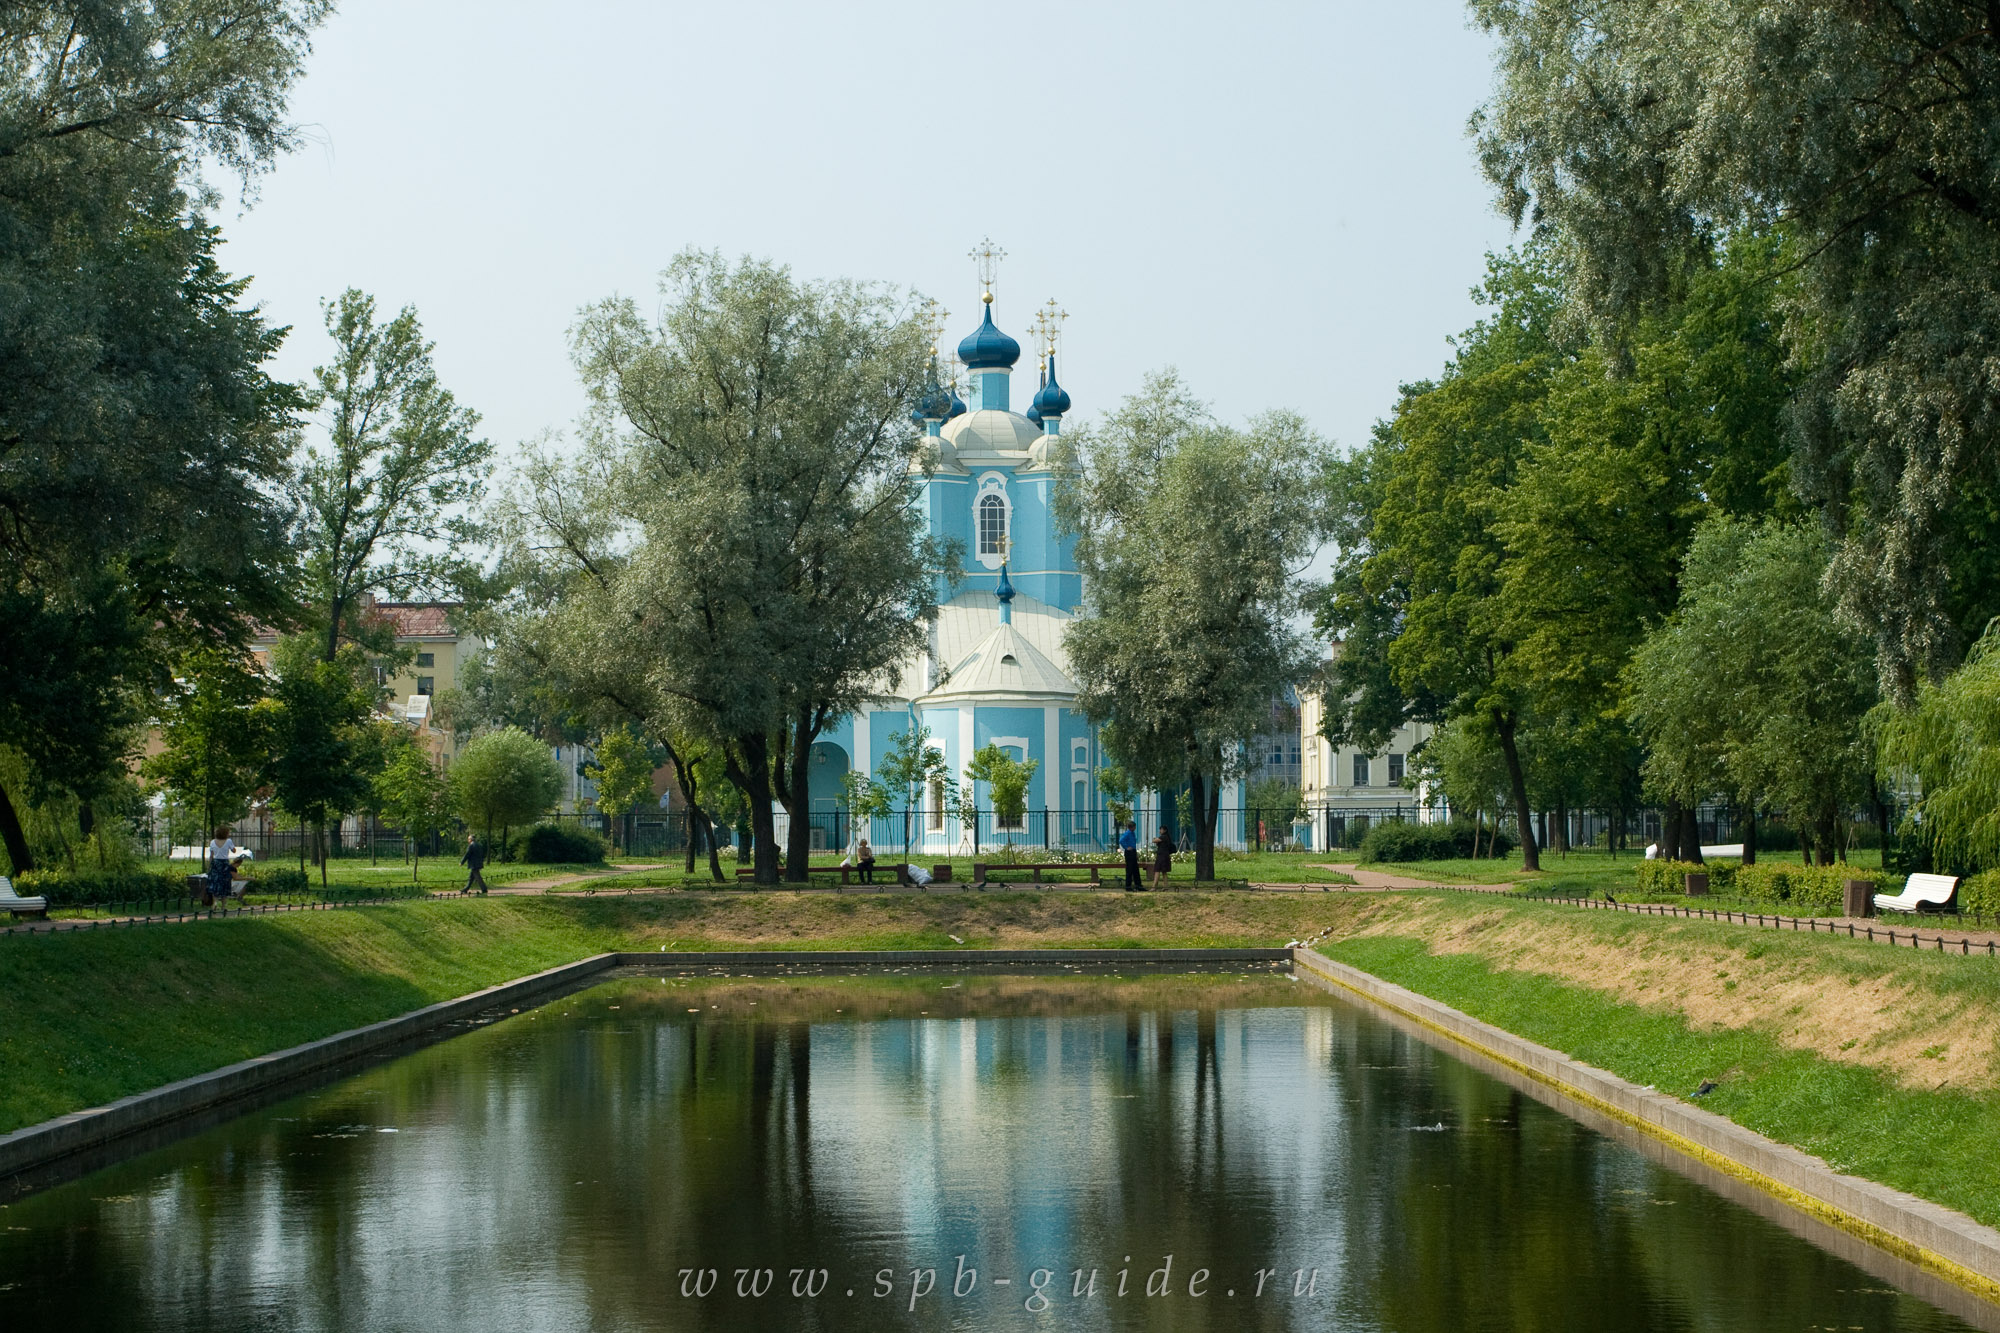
(19, 906)
(885, 873)
(980, 869)
(1920, 893)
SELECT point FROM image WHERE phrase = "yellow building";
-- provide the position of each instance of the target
(1342, 784)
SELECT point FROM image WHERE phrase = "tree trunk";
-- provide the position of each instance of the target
(1503, 726)
(1561, 820)
(1204, 831)
(798, 798)
(12, 834)
(1750, 835)
(1690, 836)
(749, 763)
(692, 835)
(714, 848)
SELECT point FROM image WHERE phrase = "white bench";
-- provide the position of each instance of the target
(1919, 892)
(18, 905)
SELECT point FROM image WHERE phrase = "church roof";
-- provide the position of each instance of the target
(1005, 666)
(991, 431)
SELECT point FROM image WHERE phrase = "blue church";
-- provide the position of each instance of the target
(994, 671)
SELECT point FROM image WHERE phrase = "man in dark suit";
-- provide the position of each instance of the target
(474, 858)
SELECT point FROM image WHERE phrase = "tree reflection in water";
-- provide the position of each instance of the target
(561, 1169)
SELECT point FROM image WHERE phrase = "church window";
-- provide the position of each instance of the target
(1361, 770)
(934, 817)
(992, 525)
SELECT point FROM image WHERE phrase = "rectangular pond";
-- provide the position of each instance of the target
(962, 1149)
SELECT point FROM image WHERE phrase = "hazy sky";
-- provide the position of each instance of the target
(1279, 199)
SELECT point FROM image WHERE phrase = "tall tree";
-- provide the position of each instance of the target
(1639, 133)
(1191, 537)
(213, 746)
(383, 498)
(504, 778)
(137, 425)
(1754, 688)
(623, 773)
(413, 796)
(316, 722)
(779, 571)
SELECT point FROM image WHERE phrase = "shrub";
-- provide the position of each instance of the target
(1980, 893)
(93, 888)
(561, 843)
(1803, 888)
(1670, 877)
(1402, 840)
(279, 880)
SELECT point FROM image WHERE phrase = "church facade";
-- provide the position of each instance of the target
(994, 671)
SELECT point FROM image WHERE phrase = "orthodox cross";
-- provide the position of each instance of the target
(988, 256)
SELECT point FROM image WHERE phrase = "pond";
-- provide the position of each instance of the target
(929, 1149)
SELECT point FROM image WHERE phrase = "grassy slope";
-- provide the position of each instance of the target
(97, 1015)
(1861, 1101)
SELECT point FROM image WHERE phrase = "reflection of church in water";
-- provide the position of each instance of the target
(995, 672)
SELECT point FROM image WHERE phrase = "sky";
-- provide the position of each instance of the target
(1278, 200)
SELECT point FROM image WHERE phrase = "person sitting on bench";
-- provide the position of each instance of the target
(864, 857)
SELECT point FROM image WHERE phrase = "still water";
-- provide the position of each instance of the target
(964, 1151)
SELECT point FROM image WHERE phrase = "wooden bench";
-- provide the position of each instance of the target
(1921, 893)
(19, 906)
(980, 869)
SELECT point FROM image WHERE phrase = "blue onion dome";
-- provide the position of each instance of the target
(935, 405)
(986, 348)
(1034, 414)
(957, 408)
(1051, 401)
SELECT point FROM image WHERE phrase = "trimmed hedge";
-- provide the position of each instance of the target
(1806, 888)
(1406, 840)
(1980, 893)
(102, 888)
(556, 844)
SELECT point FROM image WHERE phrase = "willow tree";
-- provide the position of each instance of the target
(139, 429)
(1191, 537)
(776, 565)
(1640, 133)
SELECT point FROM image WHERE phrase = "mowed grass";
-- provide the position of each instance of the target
(97, 1015)
(1901, 1119)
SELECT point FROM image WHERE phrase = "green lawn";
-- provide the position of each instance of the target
(1580, 874)
(1900, 1120)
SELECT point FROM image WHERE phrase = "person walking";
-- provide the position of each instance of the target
(1163, 856)
(221, 866)
(1128, 842)
(473, 860)
(864, 856)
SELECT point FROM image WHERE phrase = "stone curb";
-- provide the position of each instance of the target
(81, 1131)
(900, 957)
(69, 1136)
(1926, 1234)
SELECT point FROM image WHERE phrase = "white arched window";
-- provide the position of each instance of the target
(992, 525)
(992, 515)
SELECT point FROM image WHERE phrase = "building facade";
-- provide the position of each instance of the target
(1345, 788)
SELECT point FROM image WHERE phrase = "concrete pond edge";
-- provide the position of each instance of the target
(1931, 1237)
(94, 1136)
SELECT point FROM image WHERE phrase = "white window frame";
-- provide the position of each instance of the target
(992, 484)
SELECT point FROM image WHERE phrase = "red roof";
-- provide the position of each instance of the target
(416, 620)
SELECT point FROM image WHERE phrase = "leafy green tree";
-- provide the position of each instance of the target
(1121, 793)
(504, 777)
(383, 500)
(213, 749)
(623, 774)
(1427, 587)
(866, 801)
(1007, 780)
(778, 568)
(1948, 747)
(315, 720)
(1463, 760)
(1276, 802)
(909, 768)
(138, 428)
(415, 798)
(1191, 537)
(1754, 687)
(1638, 134)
